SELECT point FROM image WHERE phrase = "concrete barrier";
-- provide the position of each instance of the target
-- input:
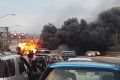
(116, 54)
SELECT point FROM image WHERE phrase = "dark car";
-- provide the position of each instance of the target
(39, 64)
(42, 51)
(68, 54)
(51, 58)
(81, 71)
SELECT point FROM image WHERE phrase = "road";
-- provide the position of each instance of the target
(97, 58)
(107, 59)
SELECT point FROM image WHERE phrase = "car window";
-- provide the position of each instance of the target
(40, 64)
(72, 74)
(9, 66)
(21, 65)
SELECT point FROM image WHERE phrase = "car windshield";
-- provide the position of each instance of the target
(81, 74)
(40, 52)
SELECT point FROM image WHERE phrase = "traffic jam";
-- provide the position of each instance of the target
(40, 64)
(59, 39)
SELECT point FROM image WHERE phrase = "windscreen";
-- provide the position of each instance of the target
(78, 74)
(69, 55)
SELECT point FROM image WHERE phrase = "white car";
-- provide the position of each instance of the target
(90, 53)
(13, 67)
(97, 53)
(79, 59)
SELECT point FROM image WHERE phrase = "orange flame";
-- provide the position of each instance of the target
(26, 46)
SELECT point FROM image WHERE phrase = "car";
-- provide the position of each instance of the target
(39, 64)
(97, 53)
(51, 58)
(13, 67)
(42, 51)
(81, 71)
(79, 59)
(68, 54)
(90, 53)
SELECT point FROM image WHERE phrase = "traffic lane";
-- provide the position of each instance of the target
(106, 59)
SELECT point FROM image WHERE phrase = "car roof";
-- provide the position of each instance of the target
(69, 51)
(42, 54)
(80, 59)
(8, 55)
(93, 65)
(43, 49)
(90, 51)
(48, 55)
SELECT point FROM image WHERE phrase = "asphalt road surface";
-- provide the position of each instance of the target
(106, 59)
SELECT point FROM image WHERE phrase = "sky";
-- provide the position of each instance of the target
(32, 15)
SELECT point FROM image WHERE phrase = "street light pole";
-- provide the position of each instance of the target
(5, 31)
(14, 26)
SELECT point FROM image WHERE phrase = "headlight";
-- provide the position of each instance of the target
(89, 54)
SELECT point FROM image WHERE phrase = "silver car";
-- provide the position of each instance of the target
(97, 53)
(90, 53)
(13, 67)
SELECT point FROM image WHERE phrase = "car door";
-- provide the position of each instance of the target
(22, 67)
(9, 69)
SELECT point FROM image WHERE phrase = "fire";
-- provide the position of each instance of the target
(26, 46)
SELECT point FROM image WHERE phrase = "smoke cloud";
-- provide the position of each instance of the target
(55, 11)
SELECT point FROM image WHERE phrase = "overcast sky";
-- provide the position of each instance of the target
(32, 15)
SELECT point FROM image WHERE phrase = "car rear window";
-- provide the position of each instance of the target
(7, 68)
(81, 74)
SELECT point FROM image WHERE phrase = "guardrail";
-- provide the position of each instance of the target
(112, 53)
(108, 62)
